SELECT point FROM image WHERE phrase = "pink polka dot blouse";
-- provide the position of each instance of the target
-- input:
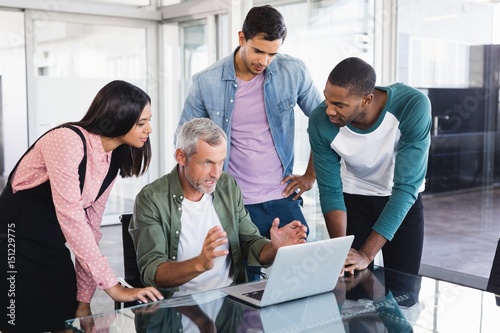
(56, 156)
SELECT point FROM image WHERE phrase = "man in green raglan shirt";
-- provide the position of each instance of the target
(370, 146)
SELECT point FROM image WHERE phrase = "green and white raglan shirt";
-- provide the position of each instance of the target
(388, 159)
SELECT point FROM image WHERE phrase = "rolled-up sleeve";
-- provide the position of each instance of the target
(149, 237)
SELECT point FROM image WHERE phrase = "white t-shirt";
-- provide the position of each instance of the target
(197, 218)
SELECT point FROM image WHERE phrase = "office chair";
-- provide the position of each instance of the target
(494, 279)
(132, 273)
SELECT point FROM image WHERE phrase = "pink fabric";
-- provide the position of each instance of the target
(253, 160)
(57, 156)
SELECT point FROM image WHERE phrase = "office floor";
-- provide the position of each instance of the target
(461, 234)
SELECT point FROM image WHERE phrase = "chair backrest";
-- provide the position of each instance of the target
(132, 273)
(494, 279)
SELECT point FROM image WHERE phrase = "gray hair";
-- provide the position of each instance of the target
(203, 129)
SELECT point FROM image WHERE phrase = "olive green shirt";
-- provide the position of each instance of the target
(156, 226)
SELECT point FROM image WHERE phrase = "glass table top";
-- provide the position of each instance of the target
(379, 300)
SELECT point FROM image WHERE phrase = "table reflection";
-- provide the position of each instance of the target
(379, 301)
(371, 301)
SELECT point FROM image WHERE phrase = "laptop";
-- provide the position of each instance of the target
(298, 271)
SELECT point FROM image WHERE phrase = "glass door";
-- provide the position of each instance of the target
(74, 56)
(13, 115)
(318, 37)
(188, 47)
(449, 50)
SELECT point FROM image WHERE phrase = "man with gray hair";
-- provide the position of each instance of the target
(190, 227)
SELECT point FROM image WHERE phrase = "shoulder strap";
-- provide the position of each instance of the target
(83, 164)
(112, 171)
(82, 168)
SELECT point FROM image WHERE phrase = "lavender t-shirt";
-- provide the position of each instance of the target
(253, 161)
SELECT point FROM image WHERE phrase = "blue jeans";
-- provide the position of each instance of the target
(263, 215)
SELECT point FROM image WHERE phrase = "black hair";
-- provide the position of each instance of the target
(115, 110)
(354, 74)
(265, 20)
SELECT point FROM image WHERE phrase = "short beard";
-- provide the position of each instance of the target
(198, 187)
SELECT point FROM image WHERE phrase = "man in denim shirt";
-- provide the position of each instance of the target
(251, 95)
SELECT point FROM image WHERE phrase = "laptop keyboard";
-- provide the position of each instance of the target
(255, 294)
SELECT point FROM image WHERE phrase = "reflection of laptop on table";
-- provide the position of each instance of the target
(298, 271)
(319, 313)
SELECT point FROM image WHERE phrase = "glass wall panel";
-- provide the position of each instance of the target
(447, 49)
(72, 62)
(315, 34)
(194, 49)
(124, 2)
(76, 60)
(186, 52)
(322, 33)
(13, 114)
(173, 92)
(170, 2)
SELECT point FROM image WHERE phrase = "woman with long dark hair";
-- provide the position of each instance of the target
(56, 196)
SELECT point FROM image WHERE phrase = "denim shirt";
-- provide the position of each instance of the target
(156, 226)
(287, 83)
